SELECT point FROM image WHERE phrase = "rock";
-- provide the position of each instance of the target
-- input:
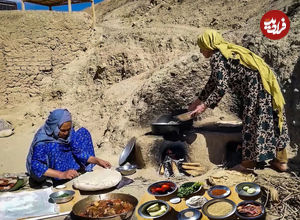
(5, 125)
(6, 133)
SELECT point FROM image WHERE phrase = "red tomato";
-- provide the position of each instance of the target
(159, 190)
(165, 187)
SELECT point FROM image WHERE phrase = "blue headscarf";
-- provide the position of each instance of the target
(49, 132)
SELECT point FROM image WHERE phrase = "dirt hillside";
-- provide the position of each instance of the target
(140, 61)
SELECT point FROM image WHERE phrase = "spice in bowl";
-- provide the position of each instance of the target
(218, 192)
(219, 208)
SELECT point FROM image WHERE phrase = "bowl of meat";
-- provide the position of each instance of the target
(11, 183)
(250, 210)
(112, 206)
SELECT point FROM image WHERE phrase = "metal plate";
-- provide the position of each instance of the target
(227, 191)
(142, 211)
(241, 192)
(158, 184)
(189, 184)
(210, 202)
(55, 196)
(241, 216)
(127, 150)
(127, 169)
(189, 214)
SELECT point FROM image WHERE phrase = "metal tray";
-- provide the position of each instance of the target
(127, 151)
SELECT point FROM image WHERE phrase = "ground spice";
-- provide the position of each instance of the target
(218, 192)
(219, 208)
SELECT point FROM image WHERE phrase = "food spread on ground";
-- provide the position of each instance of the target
(7, 183)
(186, 190)
(249, 189)
(249, 210)
(105, 208)
(156, 209)
(220, 208)
(162, 188)
(196, 201)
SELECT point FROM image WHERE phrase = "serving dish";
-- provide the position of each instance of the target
(62, 196)
(215, 191)
(189, 214)
(230, 204)
(184, 193)
(127, 169)
(243, 214)
(82, 205)
(153, 189)
(142, 211)
(243, 189)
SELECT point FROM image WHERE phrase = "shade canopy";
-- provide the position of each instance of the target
(51, 3)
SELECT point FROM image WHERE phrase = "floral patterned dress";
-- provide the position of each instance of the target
(63, 157)
(261, 135)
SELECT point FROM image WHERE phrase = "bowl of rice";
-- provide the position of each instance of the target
(219, 208)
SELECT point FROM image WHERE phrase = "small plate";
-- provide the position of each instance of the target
(189, 214)
(227, 191)
(60, 187)
(241, 192)
(189, 184)
(175, 200)
(57, 199)
(142, 211)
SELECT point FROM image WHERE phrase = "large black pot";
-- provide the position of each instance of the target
(168, 124)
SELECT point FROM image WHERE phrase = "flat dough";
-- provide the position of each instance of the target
(98, 179)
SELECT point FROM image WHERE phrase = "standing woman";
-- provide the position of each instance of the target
(235, 68)
(59, 152)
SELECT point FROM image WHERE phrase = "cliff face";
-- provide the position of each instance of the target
(140, 61)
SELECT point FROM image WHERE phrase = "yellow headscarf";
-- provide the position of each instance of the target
(212, 40)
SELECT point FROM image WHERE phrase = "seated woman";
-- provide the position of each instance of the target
(59, 152)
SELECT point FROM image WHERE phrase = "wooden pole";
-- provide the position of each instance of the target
(23, 5)
(70, 5)
(94, 14)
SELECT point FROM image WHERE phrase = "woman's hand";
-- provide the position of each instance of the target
(69, 174)
(99, 162)
(198, 110)
(103, 163)
(194, 104)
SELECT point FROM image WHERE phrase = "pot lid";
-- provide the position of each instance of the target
(127, 150)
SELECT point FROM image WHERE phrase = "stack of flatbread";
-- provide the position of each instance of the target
(98, 179)
(229, 177)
